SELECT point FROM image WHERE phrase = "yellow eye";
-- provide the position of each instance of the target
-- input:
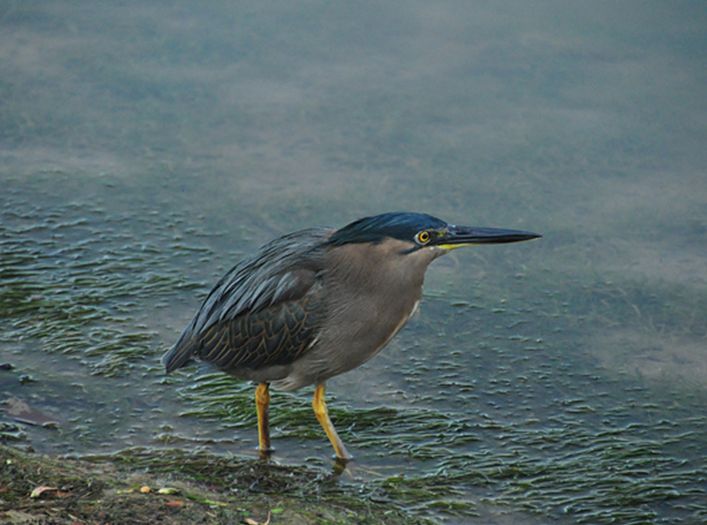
(422, 237)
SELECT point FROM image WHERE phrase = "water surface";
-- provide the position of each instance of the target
(145, 148)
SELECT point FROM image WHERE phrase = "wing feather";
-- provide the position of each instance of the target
(263, 311)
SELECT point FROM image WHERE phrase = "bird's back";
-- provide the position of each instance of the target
(263, 314)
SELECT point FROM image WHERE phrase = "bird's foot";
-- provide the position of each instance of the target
(340, 465)
(266, 453)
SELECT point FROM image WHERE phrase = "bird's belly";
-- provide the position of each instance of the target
(348, 345)
(395, 330)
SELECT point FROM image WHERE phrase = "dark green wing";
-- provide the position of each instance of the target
(276, 335)
(264, 311)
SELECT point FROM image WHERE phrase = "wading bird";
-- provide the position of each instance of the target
(319, 302)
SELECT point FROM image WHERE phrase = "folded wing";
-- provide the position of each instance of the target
(265, 311)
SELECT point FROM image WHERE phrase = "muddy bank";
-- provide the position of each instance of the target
(141, 486)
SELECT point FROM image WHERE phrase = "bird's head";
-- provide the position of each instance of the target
(421, 234)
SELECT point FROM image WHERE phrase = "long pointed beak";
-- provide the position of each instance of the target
(458, 236)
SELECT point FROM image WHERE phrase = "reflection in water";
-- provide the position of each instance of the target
(145, 149)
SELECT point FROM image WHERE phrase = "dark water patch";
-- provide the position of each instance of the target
(74, 286)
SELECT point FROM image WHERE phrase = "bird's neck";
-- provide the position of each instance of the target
(376, 268)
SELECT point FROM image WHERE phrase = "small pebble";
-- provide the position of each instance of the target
(26, 378)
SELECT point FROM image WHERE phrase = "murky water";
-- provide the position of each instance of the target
(145, 148)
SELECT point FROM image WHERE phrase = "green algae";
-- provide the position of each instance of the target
(75, 294)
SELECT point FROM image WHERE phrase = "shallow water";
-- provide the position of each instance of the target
(145, 148)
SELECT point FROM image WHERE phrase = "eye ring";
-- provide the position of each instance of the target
(423, 237)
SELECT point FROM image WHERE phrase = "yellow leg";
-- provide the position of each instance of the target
(322, 414)
(262, 402)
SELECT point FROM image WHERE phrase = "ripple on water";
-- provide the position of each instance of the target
(479, 409)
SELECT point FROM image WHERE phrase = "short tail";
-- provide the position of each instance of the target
(180, 354)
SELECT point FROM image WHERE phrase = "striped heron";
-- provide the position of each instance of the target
(319, 302)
